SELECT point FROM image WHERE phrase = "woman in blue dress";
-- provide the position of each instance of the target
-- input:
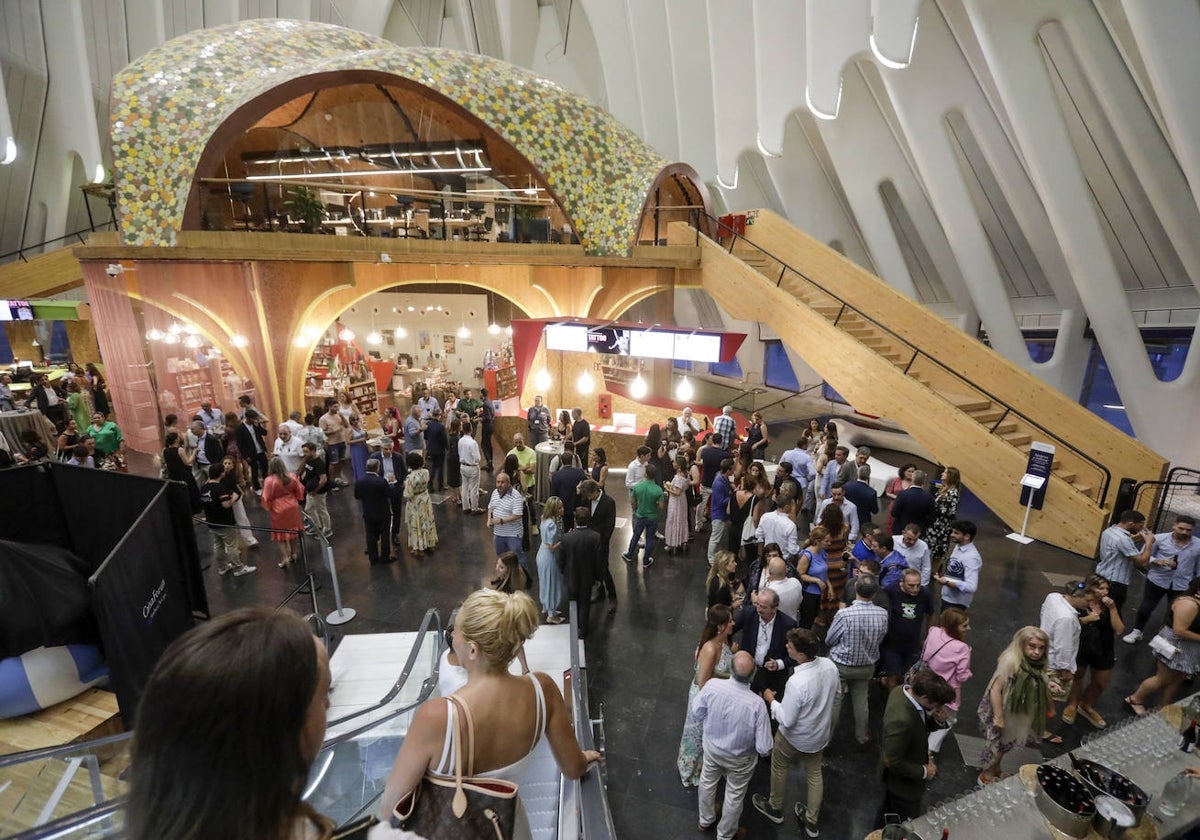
(549, 577)
(358, 447)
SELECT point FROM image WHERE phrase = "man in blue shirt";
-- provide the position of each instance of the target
(722, 490)
(1171, 567)
(801, 463)
(414, 434)
(1119, 553)
(891, 562)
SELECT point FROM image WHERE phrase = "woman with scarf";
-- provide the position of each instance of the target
(1012, 712)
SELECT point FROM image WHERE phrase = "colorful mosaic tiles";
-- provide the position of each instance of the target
(168, 103)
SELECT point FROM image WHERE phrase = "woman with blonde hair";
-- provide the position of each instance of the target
(713, 660)
(945, 512)
(549, 577)
(813, 568)
(513, 715)
(722, 584)
(1013, 709)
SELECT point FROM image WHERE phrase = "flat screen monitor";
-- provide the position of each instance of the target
(568, 337)
(694, 347)
(608, 340)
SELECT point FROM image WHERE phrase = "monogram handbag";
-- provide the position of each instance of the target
(459, 807)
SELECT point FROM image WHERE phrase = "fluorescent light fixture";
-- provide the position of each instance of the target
(684, 390)
(1114, 406)
(585, 384)
(638, 388)
(817, 112)
(542, 380)
(10, 151)
(365, 173)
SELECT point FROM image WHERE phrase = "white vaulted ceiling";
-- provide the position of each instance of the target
(1012, 164)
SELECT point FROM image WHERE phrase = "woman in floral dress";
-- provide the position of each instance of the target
(418, 509)
(1013, 709)
(713, 661)
(945, 507)
(677, 507)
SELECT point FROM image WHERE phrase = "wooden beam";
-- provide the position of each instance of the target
(41, 276)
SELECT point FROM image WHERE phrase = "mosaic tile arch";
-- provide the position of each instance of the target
(167, 105)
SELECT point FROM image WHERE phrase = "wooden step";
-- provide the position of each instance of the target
(1006, 427)
(965, 402)
(987, 416)
(1017, 439)
(1085, 489)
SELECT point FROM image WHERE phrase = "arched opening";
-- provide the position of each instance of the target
(675, 196)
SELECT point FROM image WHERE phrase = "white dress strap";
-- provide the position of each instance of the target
(445, 765)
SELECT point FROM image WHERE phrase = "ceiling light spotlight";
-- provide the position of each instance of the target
(493, 328)
(684, 391)
(463, 332)
(585, 383)
(411, 308)
(542, 380)
(638, 388)
(346, 334)
(175, 328)
(374, 338)
(239, 341)
(400, 332)
(508, 331)
(191, 329)
(154, 335)
(171, 338)
(192, 341)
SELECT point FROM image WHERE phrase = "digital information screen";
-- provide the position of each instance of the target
(640, 343)
(567, 337)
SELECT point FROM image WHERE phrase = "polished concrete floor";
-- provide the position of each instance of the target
(641, 657)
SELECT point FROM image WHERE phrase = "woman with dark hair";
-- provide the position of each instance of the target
(67, 438)
(713, 660)
(562, 431)
(741, 503)
(1181, 631)
(178, 464)
(510, 577)
(599, 471)
(945, 512)
(1098, 631)
(418, 507)
(453, 465)
(676, 528)
(894, 488)
(229, 722)
(76, 405)
(97, 387)
(281, 495)
(757, 438)
(108, 441)
(838, 568)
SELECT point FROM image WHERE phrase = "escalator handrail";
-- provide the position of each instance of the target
(41, 753)
(71, 823)
(431, 614)
(717, 224)
(595, 816)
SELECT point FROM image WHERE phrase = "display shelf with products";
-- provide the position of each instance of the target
(365, 397)
(501, 382)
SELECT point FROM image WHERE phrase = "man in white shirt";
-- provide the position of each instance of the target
(687, 421)
(636, 471)
(805, 718)
(736, 732)
(295, 421)
(837, 498)
(212, 418)
(468, 467)
(506, 513)
(777, 526)
(288, 448)
(789, 589)
(1060, 621)
(1119, 553)
(961, 578)
(915, 551)
(427, 404)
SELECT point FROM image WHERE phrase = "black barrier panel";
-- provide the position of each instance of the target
(30, 510)
(141, 602)
(186, 553)
(101, 505)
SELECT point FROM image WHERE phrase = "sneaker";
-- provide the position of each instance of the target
(659, 535)
(648, 562)
(626, 558)
(810, 828)
(1068, 715)
(1132, 637)
(225, 571)
(763, 806)
(245, 570)
(1092, 717)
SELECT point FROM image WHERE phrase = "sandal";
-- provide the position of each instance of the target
(1051, 738)
(1133, 706)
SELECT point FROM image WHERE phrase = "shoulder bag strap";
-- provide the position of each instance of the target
(459, 803)
(936, 652)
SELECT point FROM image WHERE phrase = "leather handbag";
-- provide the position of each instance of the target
(459, 807)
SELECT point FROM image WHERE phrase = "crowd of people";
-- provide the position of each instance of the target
(76, 405)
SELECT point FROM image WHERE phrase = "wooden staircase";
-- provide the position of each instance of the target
(890, 357)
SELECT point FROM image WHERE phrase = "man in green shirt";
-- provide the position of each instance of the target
(469, 409)
(526, 459)
(647, 500)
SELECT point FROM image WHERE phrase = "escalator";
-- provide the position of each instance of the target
(890, 357)
(78, 790)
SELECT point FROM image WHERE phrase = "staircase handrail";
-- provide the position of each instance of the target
(596, 822)
(917, 352)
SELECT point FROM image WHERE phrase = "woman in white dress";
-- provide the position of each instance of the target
(512, 714)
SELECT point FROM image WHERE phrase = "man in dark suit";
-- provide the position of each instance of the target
(252, 444)
(912, 711)
(394, 471)
(579, 553)
(913, 505)
(564, 483)
(764, 635)
(209, 450)
(603, 521)
(862, 495)
(375, 497)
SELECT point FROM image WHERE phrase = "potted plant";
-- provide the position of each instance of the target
(306, 206)
(525, 215)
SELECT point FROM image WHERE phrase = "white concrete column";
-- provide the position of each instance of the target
(836, 31)
(780, 71)
(732, 47)
(69, 122)
(1006, 30)
(894, 31)
(295, 9)
(1167, 34)
(618, 58)
(145, 26)
(8, 137)
(650, 40)
(219, 12)
(371, 16)
(692, 64)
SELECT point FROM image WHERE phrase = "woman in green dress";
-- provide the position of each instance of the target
(76, 405)
(418, 509)
(713, 660)
(108, 441)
